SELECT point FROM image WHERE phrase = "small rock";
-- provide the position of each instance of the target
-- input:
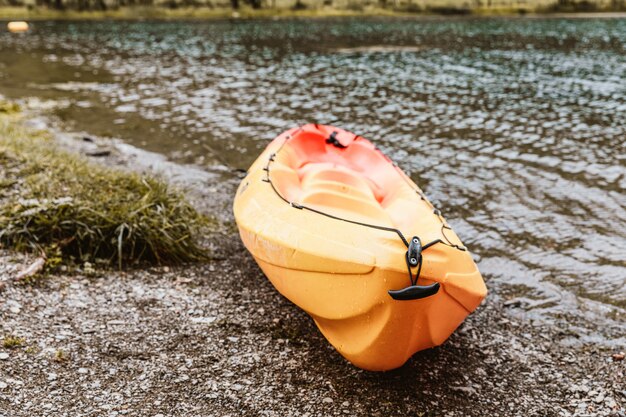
(52, 376)
(345, 404)
(467, 390)
(88, 268)
(4, 356)
(3, 385)
(618, 356)
(83, 370)
(569, 359)
(183, 378)
(514, 302)
(599, 399)
(99, 153)
(233, 339)
(203, 320)
(327, 400)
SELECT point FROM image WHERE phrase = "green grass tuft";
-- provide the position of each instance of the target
(55, 202)
(60, 356)
(12, 342)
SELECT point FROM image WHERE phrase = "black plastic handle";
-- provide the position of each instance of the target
(332, 140)
(414, 292)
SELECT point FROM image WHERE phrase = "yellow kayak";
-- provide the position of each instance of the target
(344, 234)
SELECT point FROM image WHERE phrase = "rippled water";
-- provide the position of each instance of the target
(516, 129)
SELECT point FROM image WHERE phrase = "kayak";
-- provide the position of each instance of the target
(347, 236)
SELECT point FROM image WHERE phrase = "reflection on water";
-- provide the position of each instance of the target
(516, 129)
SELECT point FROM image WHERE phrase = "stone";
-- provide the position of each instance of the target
(599, 398)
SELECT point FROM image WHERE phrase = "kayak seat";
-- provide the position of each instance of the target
(354, 182)
(335, 187)
(346, 206)
(324, 171)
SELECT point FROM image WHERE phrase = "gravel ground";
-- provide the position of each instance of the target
(218, 340)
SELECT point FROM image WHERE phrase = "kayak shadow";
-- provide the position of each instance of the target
(450, 376)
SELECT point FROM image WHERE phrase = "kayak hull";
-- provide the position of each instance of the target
(340, 272)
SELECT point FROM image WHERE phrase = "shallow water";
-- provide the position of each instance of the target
(516, 129)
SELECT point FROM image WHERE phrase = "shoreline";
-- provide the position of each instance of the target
(244, 13)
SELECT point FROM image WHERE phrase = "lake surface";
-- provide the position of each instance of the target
(516, 129)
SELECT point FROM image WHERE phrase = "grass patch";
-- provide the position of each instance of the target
(12, 342)
(7, 107)
(60, 356)
(184, 12)
(32, 350)
(568, 6)
(167, 11)
(450, 10)
(74, 211)
(302, 10)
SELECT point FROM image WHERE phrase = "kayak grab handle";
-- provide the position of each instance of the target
(414, 292)
(332, 140)
(413, 258)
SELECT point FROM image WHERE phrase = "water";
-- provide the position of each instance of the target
(516, 129)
